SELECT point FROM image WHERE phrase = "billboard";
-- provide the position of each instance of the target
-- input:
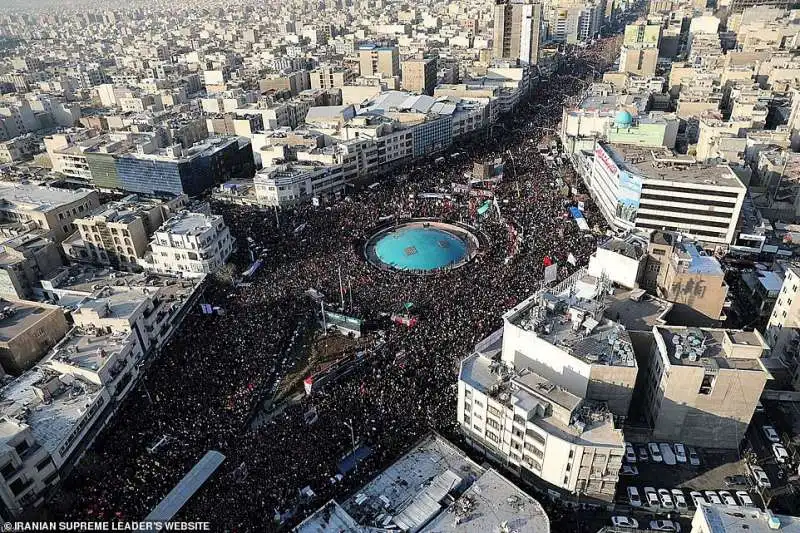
(629, 192)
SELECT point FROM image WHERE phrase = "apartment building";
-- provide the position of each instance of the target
(375, 59)
(330, 77)
(517, 29)
(190, 245)
(784, 321)
(703, 384)
(47, 208)
(419, 75)
(27, 331)
(117, 234)
(543, 395)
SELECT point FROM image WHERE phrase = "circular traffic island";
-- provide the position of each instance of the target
(421, 247)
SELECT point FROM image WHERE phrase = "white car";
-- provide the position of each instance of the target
(694, 459)
(655, 452)
(664, 525)
(629, 470)
(652, 497)
(780, 453)
(625, 522)
(712, 497)
(680, 452)
(697, 498)
(680, 500)
(666, 499)
(745, 498)
(727, 498)
(630, 453)
(771, 434)
(762, 480)
(633, 497)
(666, 453)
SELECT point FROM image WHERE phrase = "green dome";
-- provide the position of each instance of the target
(623, 119)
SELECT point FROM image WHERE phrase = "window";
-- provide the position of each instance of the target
(41, 465)
(494, 411)
(492, 436)
(707, 386)
(22, 447)
(494, 424)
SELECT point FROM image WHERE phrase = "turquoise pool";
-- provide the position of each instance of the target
(420, 248)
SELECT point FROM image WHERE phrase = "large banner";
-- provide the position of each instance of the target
(629, 195)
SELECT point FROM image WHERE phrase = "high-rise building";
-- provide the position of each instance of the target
(375, 59)
(517, 31)
(419, 75)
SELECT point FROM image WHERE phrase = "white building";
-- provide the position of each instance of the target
(649, 189)
(621, 261)
(709, 518)
(545, 408)
(289, 184)
(190, 245)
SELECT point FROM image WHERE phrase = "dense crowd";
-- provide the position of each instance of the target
(204, 387)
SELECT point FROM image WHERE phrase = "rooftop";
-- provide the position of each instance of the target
(696, 261)
(88, 349)
(37, 198)
(67, 398)
(186, 223)
(16, 316)
(577, 326)
(704, 347)
(722, 519)
(665, 165)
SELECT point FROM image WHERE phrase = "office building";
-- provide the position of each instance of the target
(434, 487)
(117, 234)
(47, 208)
(703, 384)
(419, 75)
(659, 190)
(190, 245)
(517, 31)
(27, 331)
(783, 327)
(375, 59)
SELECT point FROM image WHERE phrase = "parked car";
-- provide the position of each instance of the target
(762, 480)
(780, 453)
(680, 499)
(630, 453)
(655, 452)
(694, 459)
(667, 454)
(738, 479)
(629, 470)
(633, 497)
(652, 497)
(727, 498)
(697, 498)
(712, 497)
(643, 455)
(680, 452)
(664, 525)
(771, 434)
(625, 522)
(745, 498)
(666, 499)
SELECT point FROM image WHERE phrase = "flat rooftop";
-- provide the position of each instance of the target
(567, 321)
(53, 421)
(662, 164)
(412, 490)
(723, 519)
(699, 262)
(703, 347)
(16, 317)
(186, 223)
(36, 197)
(491, 501)
(636, 315)
(85, 349)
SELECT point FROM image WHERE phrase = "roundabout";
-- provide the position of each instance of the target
(421, 247)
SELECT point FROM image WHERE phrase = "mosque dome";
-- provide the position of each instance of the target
(623, 119)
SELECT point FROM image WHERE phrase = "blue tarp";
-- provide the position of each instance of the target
(352, 459)
(575, 212)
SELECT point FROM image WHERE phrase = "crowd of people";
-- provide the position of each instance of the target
(207, 383)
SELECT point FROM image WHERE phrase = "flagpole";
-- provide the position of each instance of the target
(341, 288)
(350, 293)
